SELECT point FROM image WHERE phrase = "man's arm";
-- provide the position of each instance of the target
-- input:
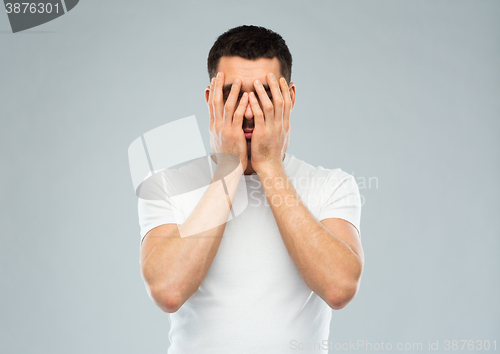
(173, 266)
(328, 254)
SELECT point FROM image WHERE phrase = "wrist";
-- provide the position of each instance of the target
(270, 168)
(227, 164)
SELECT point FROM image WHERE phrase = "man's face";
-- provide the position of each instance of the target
(248, 71)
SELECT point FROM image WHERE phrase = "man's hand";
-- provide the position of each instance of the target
(226, 124)
(272, 127)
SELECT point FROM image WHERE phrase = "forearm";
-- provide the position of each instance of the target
(327, 264)
(178, 264)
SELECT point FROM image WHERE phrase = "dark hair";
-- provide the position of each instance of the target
(250, 42)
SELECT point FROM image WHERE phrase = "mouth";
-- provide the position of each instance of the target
(248, 133)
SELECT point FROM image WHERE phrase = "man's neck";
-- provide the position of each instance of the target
(249, 170)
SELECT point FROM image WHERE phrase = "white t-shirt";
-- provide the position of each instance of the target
(253, 299)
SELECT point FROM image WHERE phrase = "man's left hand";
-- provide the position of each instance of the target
(272, 123)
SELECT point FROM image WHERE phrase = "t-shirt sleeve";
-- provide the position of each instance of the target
(155, 207)
(341, 198)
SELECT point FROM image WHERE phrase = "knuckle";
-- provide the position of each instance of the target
(268, 106)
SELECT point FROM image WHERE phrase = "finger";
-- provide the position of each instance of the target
(287, 106)
(278, 101)
(218, 105)
(267, 105)
(240, 111)
(231, 102)
(258, 115)
(210, 102)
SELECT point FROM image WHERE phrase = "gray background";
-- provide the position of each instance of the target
(407, 92)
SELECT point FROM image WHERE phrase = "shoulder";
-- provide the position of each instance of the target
(300, 170)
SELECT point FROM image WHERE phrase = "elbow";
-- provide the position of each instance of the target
(338, 303)
(167, 297)
(343, 291)
(338, 298)
(170, 305)
(167, 300)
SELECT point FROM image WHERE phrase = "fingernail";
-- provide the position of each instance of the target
(271, 75)
(258, 82)
(218, 75)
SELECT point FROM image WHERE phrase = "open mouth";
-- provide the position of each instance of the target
(248, 133)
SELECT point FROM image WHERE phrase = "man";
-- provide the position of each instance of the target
(266, 280)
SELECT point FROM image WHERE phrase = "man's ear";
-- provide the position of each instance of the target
(207, 93)
(291, 88)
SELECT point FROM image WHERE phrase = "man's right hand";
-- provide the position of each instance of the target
(226, 123)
